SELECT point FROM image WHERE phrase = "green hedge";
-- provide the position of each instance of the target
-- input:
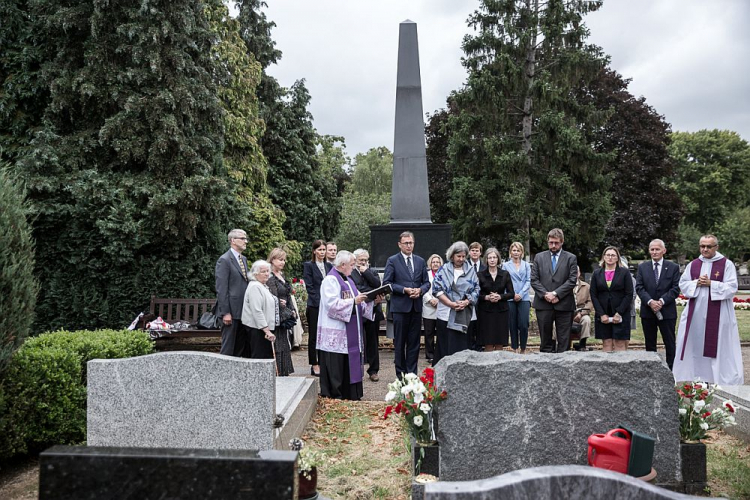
(44, 389)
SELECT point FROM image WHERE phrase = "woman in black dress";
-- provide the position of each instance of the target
(313, 273)
(282, 290)
(495, 289)
(612, 294)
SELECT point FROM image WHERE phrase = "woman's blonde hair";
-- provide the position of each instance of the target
(276, 253)
(518, 245)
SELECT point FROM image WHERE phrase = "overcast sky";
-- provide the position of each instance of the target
(689, 58)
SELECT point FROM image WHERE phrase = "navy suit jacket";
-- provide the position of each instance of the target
(313, 279)
(397, 275)
(667, 289)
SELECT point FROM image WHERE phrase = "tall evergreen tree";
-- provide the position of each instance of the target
(126, 175)
(252, 208)
(298, 185)
(439, 169)
(646, 206)
(517, 142)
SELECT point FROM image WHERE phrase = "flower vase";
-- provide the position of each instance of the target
(308, 488)
(425, 457)
(693, 456)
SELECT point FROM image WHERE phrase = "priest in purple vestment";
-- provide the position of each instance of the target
(340, 337)
(708, 341)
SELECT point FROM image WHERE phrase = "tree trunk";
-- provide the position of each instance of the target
(528, 113)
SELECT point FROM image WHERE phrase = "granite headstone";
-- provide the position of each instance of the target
(181, 400)
(507, 411)
(89, 472)
(551, 483)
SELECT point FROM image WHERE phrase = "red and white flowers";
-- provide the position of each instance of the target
(414, 397)
(696, 415)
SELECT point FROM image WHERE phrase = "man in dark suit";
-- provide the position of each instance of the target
(231, 282)
(658, 285)
(553, 278)
(407, 274)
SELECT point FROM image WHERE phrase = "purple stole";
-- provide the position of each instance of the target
(348, 291)
(713, 314)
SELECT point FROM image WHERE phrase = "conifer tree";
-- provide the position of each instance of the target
(517, 142)
(297, 184)
(126, 176)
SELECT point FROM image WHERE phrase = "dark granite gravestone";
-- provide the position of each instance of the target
(508, 411)
(92, 472)
(410, 197)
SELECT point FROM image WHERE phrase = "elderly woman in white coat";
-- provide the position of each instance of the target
(260, 311)
(341, 331)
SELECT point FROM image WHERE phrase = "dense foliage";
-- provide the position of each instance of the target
(367, 199)
(712, 178)
(252, 208)
(518, 141)
(17, 281)
(298, 185)
(125, 174)
(45, 386)
(645, 203)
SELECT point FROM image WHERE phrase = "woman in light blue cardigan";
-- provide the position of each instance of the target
(520, 305)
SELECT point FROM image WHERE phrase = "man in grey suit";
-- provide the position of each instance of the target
(553, 278)
(231, 282)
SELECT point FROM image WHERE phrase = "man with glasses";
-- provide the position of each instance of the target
(658, 285)
(407, 274)
(553, 278)
(231, 283)
(708, 341)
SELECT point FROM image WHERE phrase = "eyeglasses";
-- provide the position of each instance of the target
(243, 238)
(707, 247)
(406, 243)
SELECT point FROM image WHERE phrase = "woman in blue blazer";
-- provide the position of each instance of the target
(313, 273)
(612, 295)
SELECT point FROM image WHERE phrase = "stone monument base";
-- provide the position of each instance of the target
(429, 239)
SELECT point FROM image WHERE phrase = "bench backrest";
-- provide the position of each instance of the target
(173, 310)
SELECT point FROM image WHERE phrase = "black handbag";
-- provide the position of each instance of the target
(209, 320)
(287, 318)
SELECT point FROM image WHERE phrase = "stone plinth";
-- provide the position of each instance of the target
(181, 400)
(551, 483)
(429, 239)
(88, 472)
(508, 412)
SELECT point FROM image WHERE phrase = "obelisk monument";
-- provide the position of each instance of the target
(410, 196)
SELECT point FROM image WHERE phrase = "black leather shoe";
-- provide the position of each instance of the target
(312, 372)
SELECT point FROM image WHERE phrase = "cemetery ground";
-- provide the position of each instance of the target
(366, 457)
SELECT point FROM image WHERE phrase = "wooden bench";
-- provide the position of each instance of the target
(188, 310)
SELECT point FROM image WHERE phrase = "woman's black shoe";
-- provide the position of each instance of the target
(312, 372)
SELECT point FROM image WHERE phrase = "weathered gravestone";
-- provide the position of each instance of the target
(507, 412)
(181, 400)
(570, 482)
(89, 472)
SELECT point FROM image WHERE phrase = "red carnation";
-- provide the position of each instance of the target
(388, 410)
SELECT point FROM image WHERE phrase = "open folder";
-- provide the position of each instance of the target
(383, 290)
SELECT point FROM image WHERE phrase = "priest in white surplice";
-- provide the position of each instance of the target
(708, 342)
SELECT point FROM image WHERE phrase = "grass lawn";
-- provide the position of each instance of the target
(365, 456)
(728, 466)
(743, 324)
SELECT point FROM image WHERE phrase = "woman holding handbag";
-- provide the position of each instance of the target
(282, 290)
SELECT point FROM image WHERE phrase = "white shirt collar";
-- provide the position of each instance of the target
(660, 261)
(235, 253)
(406, 256)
